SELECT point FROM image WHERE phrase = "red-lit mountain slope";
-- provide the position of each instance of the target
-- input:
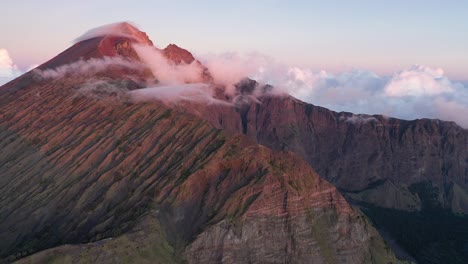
(89, 176)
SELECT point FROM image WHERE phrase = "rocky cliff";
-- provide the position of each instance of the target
(411, 177)
(378, 160)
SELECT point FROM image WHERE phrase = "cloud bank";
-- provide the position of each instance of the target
(416, 92)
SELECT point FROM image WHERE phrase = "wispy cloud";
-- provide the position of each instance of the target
(230, 68)
(166, 71)
(93, 65)
(195, 92)
(103, 88)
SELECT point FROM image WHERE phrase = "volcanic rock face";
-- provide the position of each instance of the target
(80, 164)
(100, 44)
(372, 159)
(178, 55)
(410, 177)
(78, 176)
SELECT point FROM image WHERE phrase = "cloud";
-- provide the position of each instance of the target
(194, 92)
(102, 88)
(230, 68)
(452, 110)
(167, 72)
(81, 67)
(416, 92)
(120, 29)
(358, 119)
(419, 80)
(8, 70)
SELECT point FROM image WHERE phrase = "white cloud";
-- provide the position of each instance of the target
(358, 119)
(120, 29)
(8, 70)
(419, 80)
(194, 92)
(92, 65)
(230, 68)
(167, 72)
(416, 92)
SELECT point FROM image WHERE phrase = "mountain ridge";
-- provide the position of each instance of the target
(84, 164)
(378, 163)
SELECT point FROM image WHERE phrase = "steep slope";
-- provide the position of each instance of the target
(80, 163)
(114, 40)
(411, 176)
(79, 176)
(369, 158)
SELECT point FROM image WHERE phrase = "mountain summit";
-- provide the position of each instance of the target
(122, 29)
(178, 55)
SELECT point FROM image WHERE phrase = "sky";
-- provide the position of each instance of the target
(382, 36)
(407, 59)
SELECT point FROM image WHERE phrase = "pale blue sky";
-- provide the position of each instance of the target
(382, 36)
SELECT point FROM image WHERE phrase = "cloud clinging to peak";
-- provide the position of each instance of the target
(416, 92)
(167, 72)
(120, 29)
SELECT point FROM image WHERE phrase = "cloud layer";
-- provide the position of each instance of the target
(416, 92)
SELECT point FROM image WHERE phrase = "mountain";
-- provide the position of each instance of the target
(410, 177)
(91, 176)
(372, 159)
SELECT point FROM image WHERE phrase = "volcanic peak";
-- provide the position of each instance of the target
(178, 55)
(121, 29)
